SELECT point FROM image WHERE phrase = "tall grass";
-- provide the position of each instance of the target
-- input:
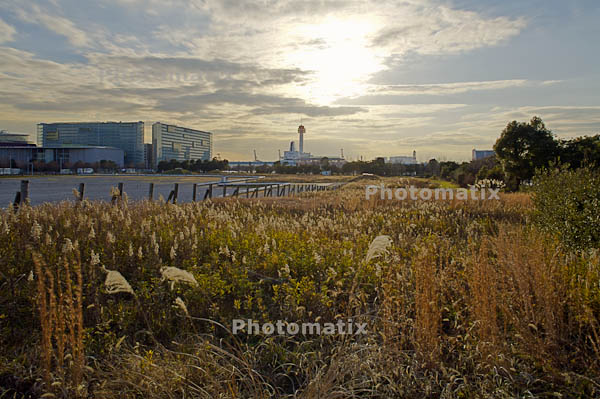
(464, 299)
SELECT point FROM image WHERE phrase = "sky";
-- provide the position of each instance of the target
(371, 77)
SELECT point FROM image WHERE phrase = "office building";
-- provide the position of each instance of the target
(128, 136)
(179, 143)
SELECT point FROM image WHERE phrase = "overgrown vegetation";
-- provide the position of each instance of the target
(467, 300)
(567, 203)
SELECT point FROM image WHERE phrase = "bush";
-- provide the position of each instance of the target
(566, 205)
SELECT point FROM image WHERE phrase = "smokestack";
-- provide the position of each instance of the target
(301, 132)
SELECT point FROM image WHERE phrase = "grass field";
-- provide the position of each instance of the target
(461, 299)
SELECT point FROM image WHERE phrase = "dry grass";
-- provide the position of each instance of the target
(465, 300)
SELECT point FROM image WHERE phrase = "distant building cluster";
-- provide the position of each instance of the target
(121, 143)
(295, 157)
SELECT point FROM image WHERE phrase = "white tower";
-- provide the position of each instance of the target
(301, 132)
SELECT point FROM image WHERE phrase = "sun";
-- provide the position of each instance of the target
(339, 55)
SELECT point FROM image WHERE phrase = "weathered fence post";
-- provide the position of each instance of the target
(194, 192)
(175, 192)
(24, 191)
(208, 193)
(17, 201)
(151, 192)
(81, 191)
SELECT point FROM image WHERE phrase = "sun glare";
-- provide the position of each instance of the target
(338, 53)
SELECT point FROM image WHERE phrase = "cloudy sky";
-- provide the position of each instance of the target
(376, 78)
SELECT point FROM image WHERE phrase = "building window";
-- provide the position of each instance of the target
(52, 135)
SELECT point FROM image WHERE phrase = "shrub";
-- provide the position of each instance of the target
(566, 205)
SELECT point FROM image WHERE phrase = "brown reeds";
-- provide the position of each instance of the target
(60, 307)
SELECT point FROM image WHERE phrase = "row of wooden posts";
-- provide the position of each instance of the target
(252, 190)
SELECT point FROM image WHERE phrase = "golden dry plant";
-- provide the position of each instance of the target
(60, 306)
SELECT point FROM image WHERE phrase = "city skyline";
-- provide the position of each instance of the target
(374, 78)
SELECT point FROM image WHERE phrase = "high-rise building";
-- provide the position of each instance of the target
(179, 143)
(128, 136)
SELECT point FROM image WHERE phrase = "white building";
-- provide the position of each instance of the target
(404, 160)
(294, 157)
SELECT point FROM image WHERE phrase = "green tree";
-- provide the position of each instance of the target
(524, 147)
(581, 151)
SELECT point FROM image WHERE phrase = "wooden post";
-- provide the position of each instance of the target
(224, 190)
(81, 191)
(151, 192)
(175, 192)
(208, 193)
(194, 192)
(24, 191)
(121, 190)
(17, 201)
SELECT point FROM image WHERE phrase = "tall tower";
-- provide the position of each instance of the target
(301, 131)
(415, 155)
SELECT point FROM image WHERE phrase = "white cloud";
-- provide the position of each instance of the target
(33, 13)
(7, 32)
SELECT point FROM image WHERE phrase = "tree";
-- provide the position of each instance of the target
(524, 147)
(581, 151)
(433, 167)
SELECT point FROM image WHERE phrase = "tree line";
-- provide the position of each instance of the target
(198, 165)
